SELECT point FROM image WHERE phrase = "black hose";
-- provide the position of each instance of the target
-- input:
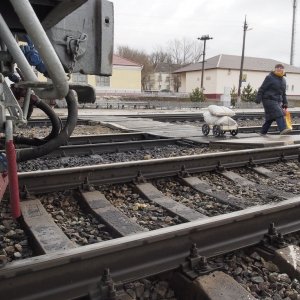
(55, 121)
(61, 139)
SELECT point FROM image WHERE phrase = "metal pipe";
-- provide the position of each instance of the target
(12, 171)
(26, 103)
(36, 32)
(15, 51)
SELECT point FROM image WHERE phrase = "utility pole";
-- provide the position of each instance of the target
(203, 38)
(293, 33)
(242, 59)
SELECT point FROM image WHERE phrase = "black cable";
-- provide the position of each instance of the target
(61, 139)
(55, 121)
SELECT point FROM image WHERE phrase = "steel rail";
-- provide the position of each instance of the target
(113, 147)
(73, 273)
(169, 117)
(68, 178)
(244, 129)
(47, 122)
(109, 138)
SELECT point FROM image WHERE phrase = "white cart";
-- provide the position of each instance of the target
(219, 130)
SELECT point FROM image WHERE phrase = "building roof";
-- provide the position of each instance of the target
(224, 61)
(121, 61)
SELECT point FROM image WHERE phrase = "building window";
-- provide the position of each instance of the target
(292, 87)
(103, 81)
(208, 78)
(79, 78)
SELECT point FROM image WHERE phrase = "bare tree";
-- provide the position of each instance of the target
(184, 51)
(177, 53)
(160, 56)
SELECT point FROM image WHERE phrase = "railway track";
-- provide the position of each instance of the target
(84, 145)
(165, 117)
(127, 243)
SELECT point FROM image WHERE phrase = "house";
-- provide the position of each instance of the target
(126, 77)
(221, 73)
(163, 78)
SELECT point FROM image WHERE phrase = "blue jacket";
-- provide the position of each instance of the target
(272, 95)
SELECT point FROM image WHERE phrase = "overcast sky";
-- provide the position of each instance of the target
(150, 24)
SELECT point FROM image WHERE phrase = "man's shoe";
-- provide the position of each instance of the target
(262, 134)
(285, 131)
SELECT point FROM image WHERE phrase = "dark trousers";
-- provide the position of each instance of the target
(280, 123)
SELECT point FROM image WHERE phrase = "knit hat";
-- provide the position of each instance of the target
(279, 66)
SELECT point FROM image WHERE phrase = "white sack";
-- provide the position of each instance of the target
(226, 121)
(209, 118)
(220, 111)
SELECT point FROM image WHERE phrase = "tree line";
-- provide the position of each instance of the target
(176, 54)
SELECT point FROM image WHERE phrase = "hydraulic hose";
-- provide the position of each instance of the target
(61, 139)
(55, 121)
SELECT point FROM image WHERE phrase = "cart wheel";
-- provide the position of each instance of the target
(234, 132)
(217, 130)
(205, 129)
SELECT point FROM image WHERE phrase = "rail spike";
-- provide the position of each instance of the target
(183, 173)
(251, 163)
(219, 167)
(24, 193)
(197, 265)
(86, 186)
(272, 241)
(105, 289)
(140, 178)
(282, 158)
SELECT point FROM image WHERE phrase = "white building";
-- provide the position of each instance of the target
(222, 72)
(163, 78)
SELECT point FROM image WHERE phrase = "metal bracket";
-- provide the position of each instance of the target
(272, 241)
(183, 172)
(282, 158)
(251, 163)
(76, 47)
(219, 167)
(140, 178)
(86, 186)
(25, 193)
(105, 289)
(12, 105)
(197, 265)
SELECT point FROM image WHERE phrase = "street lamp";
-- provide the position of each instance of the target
(242, 59)
(203, 38)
